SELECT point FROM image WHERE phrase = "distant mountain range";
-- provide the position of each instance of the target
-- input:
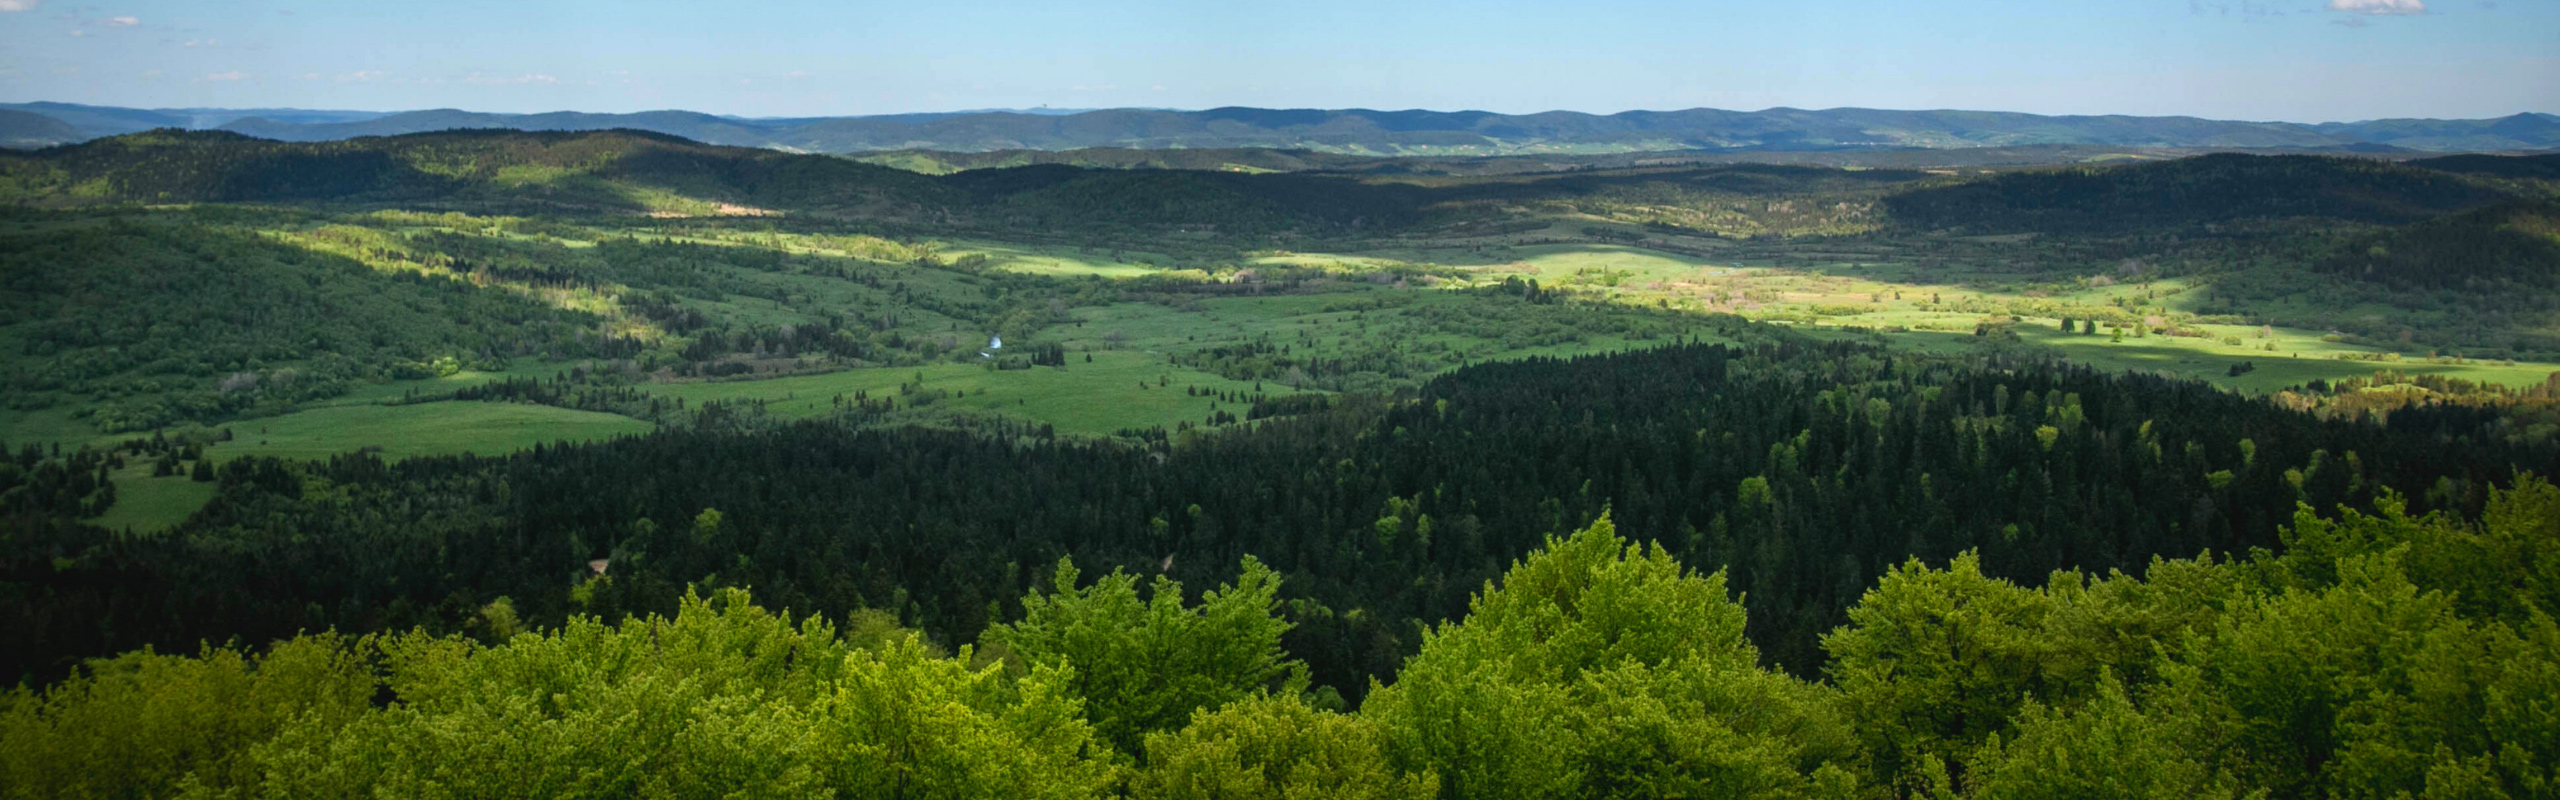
(1349, 131)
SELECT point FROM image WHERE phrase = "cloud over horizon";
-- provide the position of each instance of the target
(487, 79)
(2379, 7)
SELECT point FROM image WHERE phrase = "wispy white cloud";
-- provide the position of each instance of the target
(223, 77)
(797, 74)
(2379, 6)
(499, 79)
(20, 5)
(359, 76)
(125, 21)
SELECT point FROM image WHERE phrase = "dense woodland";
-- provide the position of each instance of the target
(1808, 470)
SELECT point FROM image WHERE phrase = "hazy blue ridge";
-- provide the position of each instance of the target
(1351, 131)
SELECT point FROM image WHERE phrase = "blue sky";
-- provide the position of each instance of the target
(2301, 60)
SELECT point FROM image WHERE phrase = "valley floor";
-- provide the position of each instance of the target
(1382, 314)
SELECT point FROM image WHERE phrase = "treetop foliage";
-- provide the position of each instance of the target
(1598, 667)
(1145, 665)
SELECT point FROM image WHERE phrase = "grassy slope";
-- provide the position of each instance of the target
(1117, 390)
(423, 429)
(146, 504)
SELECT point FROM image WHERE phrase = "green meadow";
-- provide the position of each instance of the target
(421, 429)
(1116, 390)
(1937, 310)
(145, 503)
(149, 504)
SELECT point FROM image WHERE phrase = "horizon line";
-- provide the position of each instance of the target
(1046, 111)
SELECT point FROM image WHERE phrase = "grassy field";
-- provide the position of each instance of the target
(61, 425)
(1117, 390)
(423, 429)
(2211, 361)
(1132, 380)
(1937, 309)
(147, 504)
(1060, 259)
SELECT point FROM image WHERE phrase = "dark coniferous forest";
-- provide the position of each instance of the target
(1810, 470)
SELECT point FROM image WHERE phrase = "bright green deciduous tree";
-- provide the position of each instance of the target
(907, 725)
(1275, 748)
(726, 699)
(138, 724)
(1145, 664)
(1933, 662)
(1598, 668)
(2106, 750)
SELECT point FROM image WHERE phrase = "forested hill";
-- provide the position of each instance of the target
(600, 171)
(1364, 131)
(2193, 193)
(2540, 167)
(2510, 249)
(29, 129)
(1810, 470)
(634, 172)
(637, 172)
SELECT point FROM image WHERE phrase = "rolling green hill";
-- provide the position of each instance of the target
(2190, 194)
(612, 171)
(1219, 159)
(632, 172)
(2517, 132)
(29, 129)
(638, 173)
(2536, 168)
(135, 326)
(2502, 249)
